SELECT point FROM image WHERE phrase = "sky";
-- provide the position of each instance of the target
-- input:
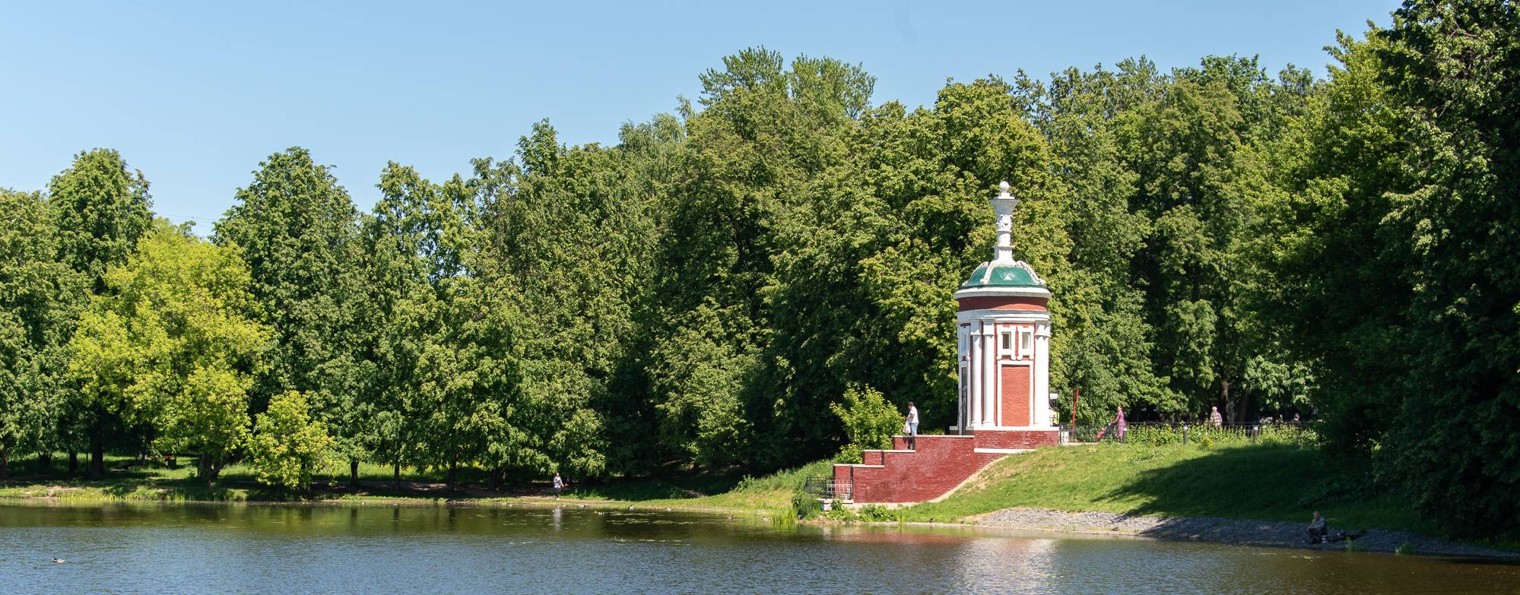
(197, 94)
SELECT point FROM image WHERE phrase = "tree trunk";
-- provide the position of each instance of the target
(453, 474)
(496, 475)
(1224, 386)
(204, 469)
(97, 457)
(73, 461)
(45, 462)
(5, 463)
(353, 472)
(396, 471)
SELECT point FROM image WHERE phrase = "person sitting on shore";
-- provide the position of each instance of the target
(1317, 528)
(1319, 532)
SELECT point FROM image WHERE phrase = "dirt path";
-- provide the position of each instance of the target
(1232, 531)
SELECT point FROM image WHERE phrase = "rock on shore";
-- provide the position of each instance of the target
(1220, 530)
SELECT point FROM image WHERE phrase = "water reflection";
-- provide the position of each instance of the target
(439, 549)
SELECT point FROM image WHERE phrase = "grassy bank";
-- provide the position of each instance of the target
(1267, 482)
(733, 492)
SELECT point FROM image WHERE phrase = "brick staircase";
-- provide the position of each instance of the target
(939, 465)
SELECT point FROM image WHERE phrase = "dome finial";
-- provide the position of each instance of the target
(1002, 208)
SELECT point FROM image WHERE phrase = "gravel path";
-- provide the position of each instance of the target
(1232, 531)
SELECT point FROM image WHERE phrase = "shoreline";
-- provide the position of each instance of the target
(58, 498)
(1227, 531)
(1255, 533)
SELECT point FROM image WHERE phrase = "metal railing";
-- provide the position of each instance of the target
(828, 489)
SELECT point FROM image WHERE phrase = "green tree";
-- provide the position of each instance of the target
(869, 422)
(100, 209)
(174, 345)
(297, 229)
(36, 316)
(288, 443)
(1453, 68)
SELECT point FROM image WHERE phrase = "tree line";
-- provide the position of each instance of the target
(707, 291)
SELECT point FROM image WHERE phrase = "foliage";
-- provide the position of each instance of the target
(36, 298)
(296, 229)
(99, 210)
(174, 345)
(699, 293)
(869, 422)
(288, 444)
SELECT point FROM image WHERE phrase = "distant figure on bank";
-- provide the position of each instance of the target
(912, 426)
(1119, 425)
(1215, 419)
(559, 484)
(1317, 528)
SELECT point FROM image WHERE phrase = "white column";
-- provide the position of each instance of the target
(1041, 408)
(989, 374)
(974, 371)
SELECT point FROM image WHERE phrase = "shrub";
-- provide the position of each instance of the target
(287, 443)
(806, 506)
(869, 422)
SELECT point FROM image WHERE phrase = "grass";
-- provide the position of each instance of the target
(1233, 479)
(1266, 482)
(770, 495)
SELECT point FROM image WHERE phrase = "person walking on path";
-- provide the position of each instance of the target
(1215, 419)
(1119, 425)
(559, 484)
(912, 426)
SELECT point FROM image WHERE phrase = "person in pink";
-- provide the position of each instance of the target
(1119, 424)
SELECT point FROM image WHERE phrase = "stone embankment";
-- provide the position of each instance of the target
(1219, 530)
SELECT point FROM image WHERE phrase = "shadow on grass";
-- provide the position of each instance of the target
(1283, 483)
(673, 488)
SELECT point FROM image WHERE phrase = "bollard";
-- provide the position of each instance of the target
(1184, 433)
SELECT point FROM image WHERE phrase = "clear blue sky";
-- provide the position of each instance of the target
(196, 94)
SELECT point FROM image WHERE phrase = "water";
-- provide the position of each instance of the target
(373, 549)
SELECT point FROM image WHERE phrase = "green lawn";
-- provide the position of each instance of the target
(726, 491)
(1268, 482)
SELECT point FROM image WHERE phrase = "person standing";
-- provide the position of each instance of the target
(1215, 419)
(912, 426)
(559, 484)
(1119, 425)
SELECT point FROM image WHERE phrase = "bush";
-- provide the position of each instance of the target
(806, 506)
(287, 443)
(869, 422)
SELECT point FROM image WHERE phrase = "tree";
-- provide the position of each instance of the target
(288, 443)
(174, 345)
(297, 229)
(36, 315)
(100, 209)
(1454, 70)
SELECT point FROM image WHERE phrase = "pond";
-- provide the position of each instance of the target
(369, 549)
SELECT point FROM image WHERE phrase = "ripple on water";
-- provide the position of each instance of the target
(372, 549)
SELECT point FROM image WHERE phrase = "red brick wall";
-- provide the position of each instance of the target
(1002, 303)
(1017, 439)
(939, 464)
(1015, 380)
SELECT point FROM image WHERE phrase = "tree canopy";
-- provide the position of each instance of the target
(760, 278)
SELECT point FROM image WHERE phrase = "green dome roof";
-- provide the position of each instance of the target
(1003, 274)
